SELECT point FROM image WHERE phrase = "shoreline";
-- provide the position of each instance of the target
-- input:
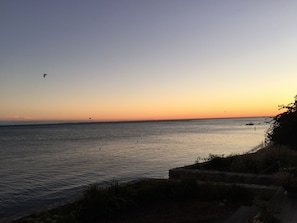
(57, 206)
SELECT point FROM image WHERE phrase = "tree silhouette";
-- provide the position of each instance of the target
(283, 130)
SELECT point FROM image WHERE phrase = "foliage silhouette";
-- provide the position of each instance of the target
(283, 130)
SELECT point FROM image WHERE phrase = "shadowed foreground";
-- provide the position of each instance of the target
(151, 201)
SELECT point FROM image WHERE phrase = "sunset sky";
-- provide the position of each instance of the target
(146, 59)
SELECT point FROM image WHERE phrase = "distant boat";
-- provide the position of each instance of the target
(250, 123)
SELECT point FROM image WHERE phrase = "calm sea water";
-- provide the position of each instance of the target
(42, 165)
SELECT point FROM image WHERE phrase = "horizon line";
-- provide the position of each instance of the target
(4, 123)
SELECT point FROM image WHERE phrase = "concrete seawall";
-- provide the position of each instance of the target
(221, 176)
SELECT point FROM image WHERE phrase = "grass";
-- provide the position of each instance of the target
(267, 160)
(105, 203)
(99, 204)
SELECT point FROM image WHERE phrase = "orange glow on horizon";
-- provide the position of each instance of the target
(150, 110)
(146, 116)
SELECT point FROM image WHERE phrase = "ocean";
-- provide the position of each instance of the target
(45, 165)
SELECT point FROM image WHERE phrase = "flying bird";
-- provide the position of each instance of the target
(44, 75)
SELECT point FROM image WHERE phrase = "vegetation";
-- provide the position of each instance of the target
(267, 160)
(102, 204)
(279, 153)
(283, 130)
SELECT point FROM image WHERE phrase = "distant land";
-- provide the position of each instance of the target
(61, 122)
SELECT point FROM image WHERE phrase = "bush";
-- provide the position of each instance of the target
(283, 130)
(99, 203)
(102, 203)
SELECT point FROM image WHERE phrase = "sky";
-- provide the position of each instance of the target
(109, 60)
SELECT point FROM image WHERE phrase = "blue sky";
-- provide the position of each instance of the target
(118, 60)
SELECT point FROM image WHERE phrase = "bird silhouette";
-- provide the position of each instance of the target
(44, 75)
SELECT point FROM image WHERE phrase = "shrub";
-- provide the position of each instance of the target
(283, 130)
(217, 162)
(99, 203)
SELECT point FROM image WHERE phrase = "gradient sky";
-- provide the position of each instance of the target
(140, 59)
